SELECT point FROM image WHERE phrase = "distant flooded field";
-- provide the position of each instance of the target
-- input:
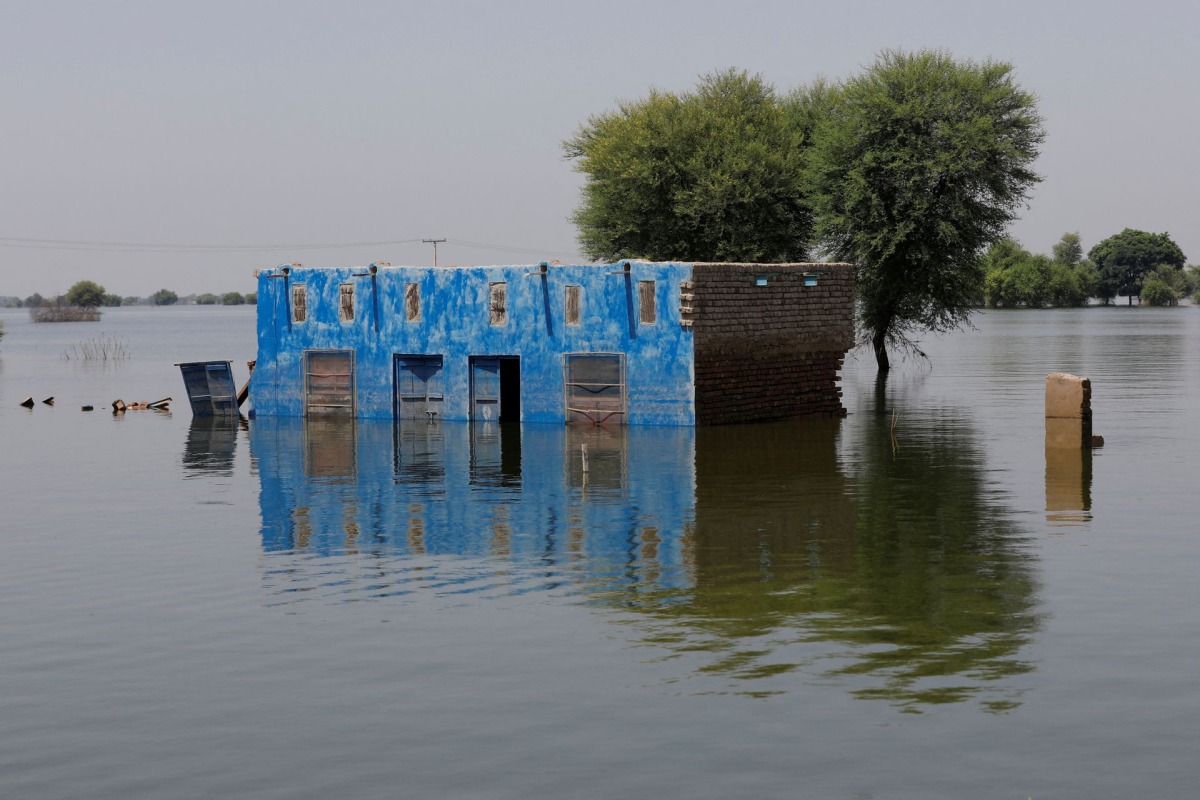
(919, 600)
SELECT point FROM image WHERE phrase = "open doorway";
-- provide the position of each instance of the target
(496, 388)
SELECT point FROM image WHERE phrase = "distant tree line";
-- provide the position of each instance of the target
(90, 295)
(1132, 263)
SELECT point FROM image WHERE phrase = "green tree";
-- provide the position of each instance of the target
(206, 299)
(923, 163)
(1124, 259)
(85, 294)
(252, 298)
(34, 300)
(164, 297)
(232, 299)
(710, 175)
(1164, 286)
(111, 300)
(1068, 251)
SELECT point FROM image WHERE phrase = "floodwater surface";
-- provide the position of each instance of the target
(919, 600)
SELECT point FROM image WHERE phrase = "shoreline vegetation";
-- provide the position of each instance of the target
(83, 301)
(1148, 266)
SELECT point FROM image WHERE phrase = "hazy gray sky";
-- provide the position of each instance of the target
(224, 125)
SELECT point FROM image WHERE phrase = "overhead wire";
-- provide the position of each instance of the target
(87, 245)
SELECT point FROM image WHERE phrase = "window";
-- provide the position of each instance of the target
(346, 302)
(299, 303)
(412, 301)
(573, 303)
(594, 385)
(329, 382)
(647, 309)
(498, 303)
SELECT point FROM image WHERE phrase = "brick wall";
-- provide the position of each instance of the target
(768, 351)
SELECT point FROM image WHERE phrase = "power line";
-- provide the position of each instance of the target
(163, 247)
(96, 246)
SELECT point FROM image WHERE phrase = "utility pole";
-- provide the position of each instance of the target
(433, 242)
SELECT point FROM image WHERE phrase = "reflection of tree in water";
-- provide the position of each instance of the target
(905, 581)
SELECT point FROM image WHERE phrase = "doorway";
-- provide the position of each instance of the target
(496, 388)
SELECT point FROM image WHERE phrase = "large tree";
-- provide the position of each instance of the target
(710, 175)
(85, 294)
(1124, 259)
(922, 163)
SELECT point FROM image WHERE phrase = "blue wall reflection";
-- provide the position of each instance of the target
(517, 494)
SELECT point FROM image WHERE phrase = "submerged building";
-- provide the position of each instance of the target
(635, 342)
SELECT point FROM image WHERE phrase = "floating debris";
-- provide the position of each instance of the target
(49, 400)
(120, 406)
(210, 387)
(85, 408)
(27, 402)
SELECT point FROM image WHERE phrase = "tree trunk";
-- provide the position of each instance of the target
(879, 342)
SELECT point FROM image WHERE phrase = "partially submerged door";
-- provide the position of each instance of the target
(485, 389)
(419, 393)
(329, 382)
(496, 388)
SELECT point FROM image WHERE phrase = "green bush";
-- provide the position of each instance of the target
(1155, 292)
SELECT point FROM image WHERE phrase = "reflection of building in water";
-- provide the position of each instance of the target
(748, 551)
(1068, 486)
(485, 491)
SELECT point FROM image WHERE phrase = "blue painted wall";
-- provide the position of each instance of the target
(454, 323)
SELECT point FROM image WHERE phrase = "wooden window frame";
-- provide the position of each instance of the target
(573, 305)
(299, 302)
(576, 392)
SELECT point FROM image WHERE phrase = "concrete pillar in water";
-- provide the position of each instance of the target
(1068, 449)
(1068, 411)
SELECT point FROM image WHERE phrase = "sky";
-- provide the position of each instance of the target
(150, 145)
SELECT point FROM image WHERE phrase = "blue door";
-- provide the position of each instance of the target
(418, 387)
(485, 389)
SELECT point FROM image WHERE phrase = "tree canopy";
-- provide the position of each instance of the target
(85, 294)
(1124, 259)
(164, 297)
(1013, 276)
(710, 175)
(921, 165)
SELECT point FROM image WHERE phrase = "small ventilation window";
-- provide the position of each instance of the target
(574, 304)
(412, 301)
(299, 303)
(346, 302)
(647, 307)
(498, 303)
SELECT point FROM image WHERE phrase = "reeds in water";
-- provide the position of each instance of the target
(104, 347)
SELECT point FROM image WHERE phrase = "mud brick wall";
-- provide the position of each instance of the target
(773, 351)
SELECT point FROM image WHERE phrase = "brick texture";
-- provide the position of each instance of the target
(768, 351)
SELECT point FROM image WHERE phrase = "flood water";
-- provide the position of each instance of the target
(916, 601)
